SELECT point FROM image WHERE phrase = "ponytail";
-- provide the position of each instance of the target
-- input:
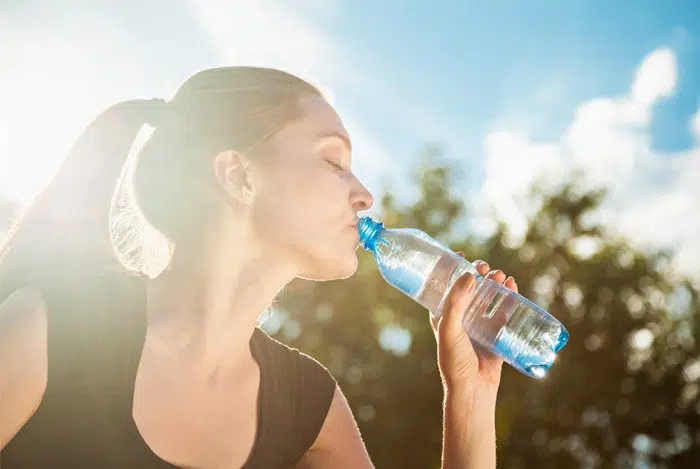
(66, 227)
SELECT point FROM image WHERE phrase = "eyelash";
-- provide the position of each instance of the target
(335, 165)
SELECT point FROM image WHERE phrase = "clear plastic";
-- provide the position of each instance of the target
(524, 335)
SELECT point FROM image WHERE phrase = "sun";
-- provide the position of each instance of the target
(50, 90)
(24, 167)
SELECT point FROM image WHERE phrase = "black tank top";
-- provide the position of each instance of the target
(95, 340)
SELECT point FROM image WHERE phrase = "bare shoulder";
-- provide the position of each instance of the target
(23, 359)
(339, 443)
(22, 304)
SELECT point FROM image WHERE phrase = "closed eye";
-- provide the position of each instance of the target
(335, 165)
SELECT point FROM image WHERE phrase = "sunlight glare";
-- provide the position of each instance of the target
(52, 91)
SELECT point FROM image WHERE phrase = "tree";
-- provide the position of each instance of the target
(624, 389)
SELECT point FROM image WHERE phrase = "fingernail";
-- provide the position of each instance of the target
(469, 281)
(479, 262)
(465, 277)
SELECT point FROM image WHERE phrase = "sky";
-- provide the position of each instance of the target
(517, 92)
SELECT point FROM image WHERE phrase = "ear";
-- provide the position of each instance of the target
(234, 176)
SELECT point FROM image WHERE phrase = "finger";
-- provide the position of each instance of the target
(497, 275)
(487, 359)
(511, 283)
(433, 321)
(482, 267)
(450, 324)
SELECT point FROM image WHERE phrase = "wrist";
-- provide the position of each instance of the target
(479, 391)
(472, 406)
(462, 394)
(469, 432)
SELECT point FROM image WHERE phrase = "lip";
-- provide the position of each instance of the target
(356, 237)
(355, 232)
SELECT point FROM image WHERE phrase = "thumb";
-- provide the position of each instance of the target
(450, 327)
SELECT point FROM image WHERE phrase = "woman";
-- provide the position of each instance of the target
(248, 175)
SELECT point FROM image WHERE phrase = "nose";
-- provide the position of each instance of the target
(360, 198)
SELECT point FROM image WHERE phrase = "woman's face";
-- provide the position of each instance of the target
(307, 198)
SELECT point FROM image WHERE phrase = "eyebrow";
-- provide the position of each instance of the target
(344, 138)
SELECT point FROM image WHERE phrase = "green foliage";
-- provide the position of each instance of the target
(623, 391)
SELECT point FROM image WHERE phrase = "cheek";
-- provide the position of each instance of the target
(313, 189)
(304, 203)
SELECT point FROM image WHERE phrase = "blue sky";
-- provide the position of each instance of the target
(515, 90)
(479, 63)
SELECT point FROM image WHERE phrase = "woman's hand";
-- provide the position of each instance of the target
(470, 376)
(462, 362)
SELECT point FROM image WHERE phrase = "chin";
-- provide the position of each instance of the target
(333, 269)
(348, 272)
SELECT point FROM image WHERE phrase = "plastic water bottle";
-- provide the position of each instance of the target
(509, 325)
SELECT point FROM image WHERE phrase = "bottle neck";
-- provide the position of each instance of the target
(369, 232)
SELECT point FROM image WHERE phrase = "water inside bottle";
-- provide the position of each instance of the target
(529, 336)
(498, 318)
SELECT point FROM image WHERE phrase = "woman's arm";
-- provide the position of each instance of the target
(339, 444)
(23, 361)
(470, 376)
(469, 428)
(469, 434)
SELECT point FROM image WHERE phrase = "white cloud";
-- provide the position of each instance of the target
(656, 77)
(654, 196)
(533, 162)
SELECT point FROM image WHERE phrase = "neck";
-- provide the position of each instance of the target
(204, 313)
